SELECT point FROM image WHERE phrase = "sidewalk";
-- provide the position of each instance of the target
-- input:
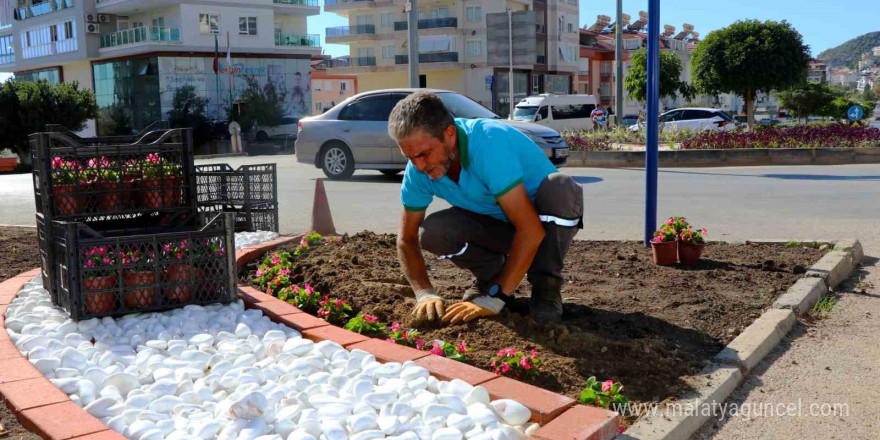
(831, 361)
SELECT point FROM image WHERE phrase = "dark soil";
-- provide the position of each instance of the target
(625, 318)
(18, 253)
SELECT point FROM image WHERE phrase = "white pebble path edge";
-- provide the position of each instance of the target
(245, 239)
(223, 372)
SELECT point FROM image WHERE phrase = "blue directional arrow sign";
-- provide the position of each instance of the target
(855, 113)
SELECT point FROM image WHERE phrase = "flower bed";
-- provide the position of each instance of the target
(800, 136)
(625, 319)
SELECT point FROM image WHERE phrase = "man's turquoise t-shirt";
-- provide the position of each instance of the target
(495, 158)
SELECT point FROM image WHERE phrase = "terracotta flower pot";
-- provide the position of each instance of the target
(68, 201)
(153, 192)
(185, 275)
(101, 303)
(689, 253)
(108, 200)
(139, 289)
(665, 253)
(171, 192)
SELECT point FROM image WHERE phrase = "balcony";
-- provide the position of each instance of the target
(7, 58)
(53, 48)
(297, 40)
(141, 35)
(343, 33)
(341, 5)
(37, 9)
(430, 23)
(605, 75)
(297, 7)
(297, 2)
(431, 57)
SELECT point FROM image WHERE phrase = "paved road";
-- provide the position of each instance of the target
(805, 202)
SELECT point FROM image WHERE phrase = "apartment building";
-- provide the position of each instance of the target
(328, 89)
(136, 53)
(455, 41)
(818, 72)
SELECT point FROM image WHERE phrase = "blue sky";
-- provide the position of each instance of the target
(823, 23)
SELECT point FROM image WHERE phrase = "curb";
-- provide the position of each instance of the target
(560, 415)
(749, 348)
(220, 155)
(728, 158)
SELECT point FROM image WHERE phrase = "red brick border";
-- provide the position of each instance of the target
(52, 415)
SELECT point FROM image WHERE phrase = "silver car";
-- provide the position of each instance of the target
(353, 135)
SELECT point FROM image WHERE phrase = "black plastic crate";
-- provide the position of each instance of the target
(220, 184)
(250, 217)
(102, 274)
(83, 182)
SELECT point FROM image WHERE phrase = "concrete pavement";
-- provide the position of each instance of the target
(804, 202)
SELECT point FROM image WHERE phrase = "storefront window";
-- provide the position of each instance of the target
(520, 91)
(558, 84)
(127, 93)
(53, 75)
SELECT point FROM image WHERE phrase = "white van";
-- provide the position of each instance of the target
(559, 112)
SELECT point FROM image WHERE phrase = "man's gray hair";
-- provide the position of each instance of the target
(420, 110)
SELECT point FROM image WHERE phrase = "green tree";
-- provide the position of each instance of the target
(636, 82)
(188, 111)
(868, 94)
(838, 108)
(257, 106)
(750, 56)
(26, 107)
(807, 99)
(116, 120)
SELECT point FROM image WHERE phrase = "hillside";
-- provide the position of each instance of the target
(847, 54)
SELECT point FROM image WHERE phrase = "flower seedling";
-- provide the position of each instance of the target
(334, 311)
(408, 337)
(99, 260)
(456, 352)
(689, 235)
(509, 362)
(365, 323)
(603, 394)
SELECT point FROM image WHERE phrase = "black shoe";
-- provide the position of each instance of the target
(479, 288)
(545, 304)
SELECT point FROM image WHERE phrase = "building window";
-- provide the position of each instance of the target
(53, 33)
(318, 106)
(474, 47)
(585, 66)
(632, 44)
(388, 52)
(440, 12)
(158, 22)
(474, 13)
(387, 20)
(247, 25)
(536, 84)
(208, 23)
(570, 28)
(122, 22)
(343, 85)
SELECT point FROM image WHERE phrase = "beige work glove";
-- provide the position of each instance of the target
(429, 305)
(479, 307)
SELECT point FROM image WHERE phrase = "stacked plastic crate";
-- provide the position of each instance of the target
(119, 227)
(250, 192)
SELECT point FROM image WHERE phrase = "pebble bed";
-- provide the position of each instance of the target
(223, 372)
(245, 239)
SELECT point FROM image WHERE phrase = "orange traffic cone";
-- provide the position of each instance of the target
(322, 219)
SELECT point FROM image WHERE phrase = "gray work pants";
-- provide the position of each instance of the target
(480, 243)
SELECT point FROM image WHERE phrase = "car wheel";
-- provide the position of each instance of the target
(390, 173)
(262, 136)
(336, 161)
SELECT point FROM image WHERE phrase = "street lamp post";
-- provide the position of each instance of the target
(651, 155)
(413, 28)
(510, 56)
(618, 55)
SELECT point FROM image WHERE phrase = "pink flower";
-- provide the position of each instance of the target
(420, 344)
(275, 259)
(90, 263)
(338, 303)
(670, 221)
(180, 255)
(524, 363)
(703, 231)
(405, 336)
(370, 318)
(284, 272)
(107, 260)
(534, 353)
(492, 364)
(501, 353)
(657, 239)
(259, 272)
(395, 327)
(505, 368)
(304, 243)
(57, 162)
(167, 247)
(606, 386)
(620, 429)
(391, 341)
(309, 289)
(462, 348)
(511, 352)
(437, 348)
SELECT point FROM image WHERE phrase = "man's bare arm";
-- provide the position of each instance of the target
(527, 239)
(409, 252)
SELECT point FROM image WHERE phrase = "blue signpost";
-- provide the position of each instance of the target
(855, 113)
(653, 116)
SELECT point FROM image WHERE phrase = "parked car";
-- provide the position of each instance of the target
(629, 120)
(697, 119)
(287, 127)
(559, 112)
(354, 133)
